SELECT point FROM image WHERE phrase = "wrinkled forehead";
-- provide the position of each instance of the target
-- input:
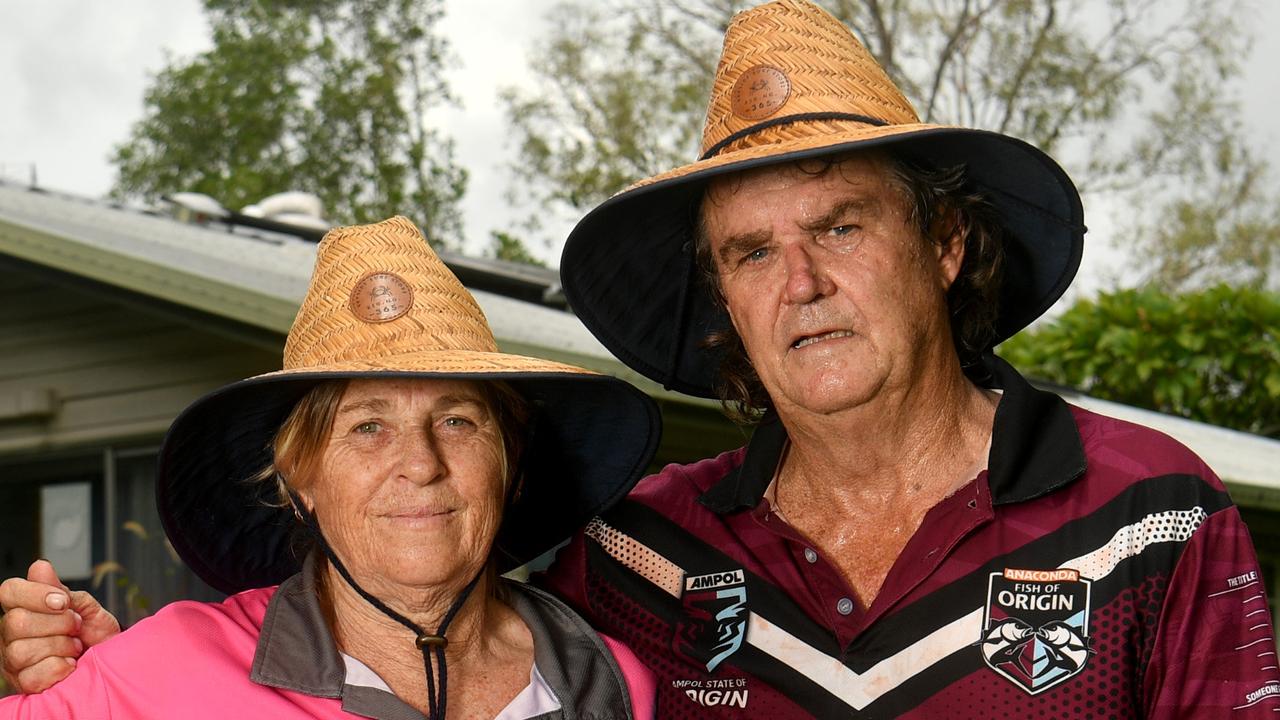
(806, 191)
(409, 390)
(859, 167)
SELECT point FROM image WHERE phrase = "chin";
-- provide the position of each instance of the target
(831, 394)
(424, 572)
(828, 405)
(403, 560)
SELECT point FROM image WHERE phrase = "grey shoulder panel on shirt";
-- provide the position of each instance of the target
(295, 649)
(573, 659)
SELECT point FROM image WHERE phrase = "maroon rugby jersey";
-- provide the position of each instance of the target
(1095, 569)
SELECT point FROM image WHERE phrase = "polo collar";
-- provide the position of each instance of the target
(744, 486)
(1035, 448)
(296, 650)
(1035, 445)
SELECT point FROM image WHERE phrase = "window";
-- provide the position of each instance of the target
(61, 506)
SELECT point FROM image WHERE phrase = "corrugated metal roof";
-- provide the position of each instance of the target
(256, 278)
(259, 277)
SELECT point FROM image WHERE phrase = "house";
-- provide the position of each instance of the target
(112, 320)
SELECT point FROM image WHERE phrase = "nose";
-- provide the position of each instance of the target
(420, 458)
(806, 280)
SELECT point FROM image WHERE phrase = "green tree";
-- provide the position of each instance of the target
(505, 246)
(327, 96)
(621, 86)
(1220, 217)
(1211, 355)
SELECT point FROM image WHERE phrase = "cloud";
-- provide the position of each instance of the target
(75, 73)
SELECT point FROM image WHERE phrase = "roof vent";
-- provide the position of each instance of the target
(197, 208)
(302, 209)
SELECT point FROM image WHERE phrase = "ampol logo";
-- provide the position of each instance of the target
(715, 618)
(1035, 629)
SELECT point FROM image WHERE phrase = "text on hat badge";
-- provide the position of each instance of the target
(760, 92)
(381, 296)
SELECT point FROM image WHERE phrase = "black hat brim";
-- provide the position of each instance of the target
(591, 438)
(628, 267)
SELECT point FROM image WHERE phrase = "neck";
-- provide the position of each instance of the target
(916, 441)
(481, 628)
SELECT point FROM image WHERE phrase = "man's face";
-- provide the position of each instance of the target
(828, 281)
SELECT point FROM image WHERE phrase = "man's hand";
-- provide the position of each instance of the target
(45, 627)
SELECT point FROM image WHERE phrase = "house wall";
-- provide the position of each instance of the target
(78, 367)
(89, 381)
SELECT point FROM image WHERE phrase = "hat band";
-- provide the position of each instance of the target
(787, 120)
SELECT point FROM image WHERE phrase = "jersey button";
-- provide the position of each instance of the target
(844, 606)
(810, 555)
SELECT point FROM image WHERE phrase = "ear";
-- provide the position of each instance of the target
(948, 246)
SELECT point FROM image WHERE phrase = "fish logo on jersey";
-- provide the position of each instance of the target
(715, 618)
(1035, 629)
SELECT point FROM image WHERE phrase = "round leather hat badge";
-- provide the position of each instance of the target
(760, 92)
(380, 297)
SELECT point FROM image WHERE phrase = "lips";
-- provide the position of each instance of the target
(418, 513)
(811, 339)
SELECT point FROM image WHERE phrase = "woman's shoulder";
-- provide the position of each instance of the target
(582, 665)
(232, 626)
(245, 609)
(544, 612)
(189, 659)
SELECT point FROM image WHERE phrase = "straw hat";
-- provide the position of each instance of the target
(381, 304)
(794, 83)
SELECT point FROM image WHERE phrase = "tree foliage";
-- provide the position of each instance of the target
(1220, 217)
(327, 96)
(612, 104)
(505, 246)
(1105, 84)
(1211, 355)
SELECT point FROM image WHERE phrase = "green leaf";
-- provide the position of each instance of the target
(1272, 383)
(1190, 340)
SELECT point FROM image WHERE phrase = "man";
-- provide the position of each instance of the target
(913, 530)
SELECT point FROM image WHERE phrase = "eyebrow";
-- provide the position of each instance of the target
(452, 400)
(741, 243)
(860, 205)
(381, 405)
(375, 404)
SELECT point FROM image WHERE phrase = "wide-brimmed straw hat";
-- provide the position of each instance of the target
(794, 83)
(381, 304)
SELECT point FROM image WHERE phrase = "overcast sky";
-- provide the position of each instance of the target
(72, 76)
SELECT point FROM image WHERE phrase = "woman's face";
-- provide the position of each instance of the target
(409, 488)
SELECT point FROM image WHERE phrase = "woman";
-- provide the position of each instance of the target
(419, 462)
